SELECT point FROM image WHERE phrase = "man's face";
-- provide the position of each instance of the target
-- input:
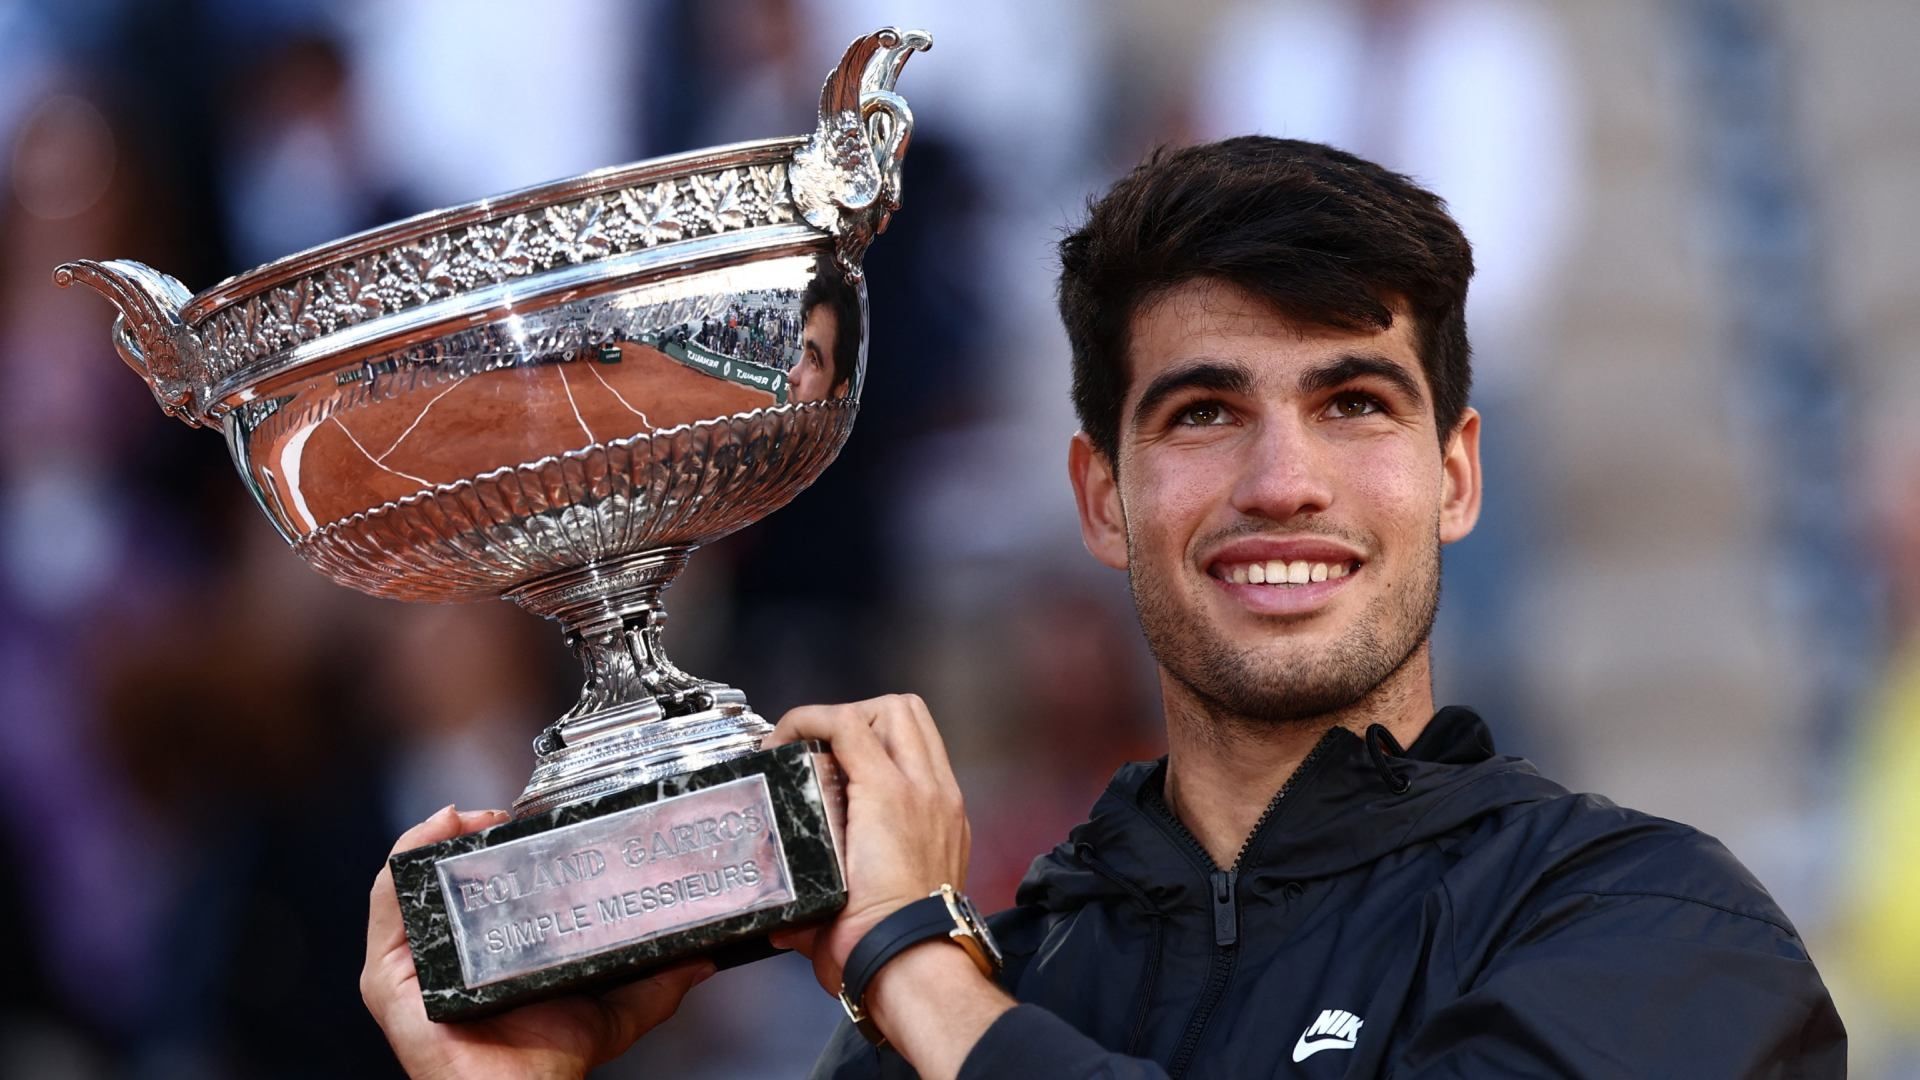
(812, 378)
(1279, 501)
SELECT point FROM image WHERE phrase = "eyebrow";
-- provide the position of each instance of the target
(1216, 375)
(1346, 368)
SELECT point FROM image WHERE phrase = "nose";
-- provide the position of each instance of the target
(1283, 472)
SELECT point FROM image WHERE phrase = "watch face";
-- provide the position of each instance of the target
(978, 927)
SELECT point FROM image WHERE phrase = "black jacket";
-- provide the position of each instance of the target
(1438, 913)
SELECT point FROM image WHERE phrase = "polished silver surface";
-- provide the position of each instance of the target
(555, 395)
(596, 885)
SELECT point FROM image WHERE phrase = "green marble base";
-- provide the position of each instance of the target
(599, 892)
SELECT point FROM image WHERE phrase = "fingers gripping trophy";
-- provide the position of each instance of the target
(556, 396)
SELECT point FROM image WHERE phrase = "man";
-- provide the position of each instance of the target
(1271, 372)
(828, 358)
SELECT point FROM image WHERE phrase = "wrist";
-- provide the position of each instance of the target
(946, 915)
(933, 1004)
(932, 970)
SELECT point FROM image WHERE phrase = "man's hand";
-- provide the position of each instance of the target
(560, 1038)
(907, 831)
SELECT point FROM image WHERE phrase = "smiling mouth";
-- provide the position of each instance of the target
(1279, 572)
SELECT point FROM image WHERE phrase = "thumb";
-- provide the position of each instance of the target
(801, 941)
(384, 929)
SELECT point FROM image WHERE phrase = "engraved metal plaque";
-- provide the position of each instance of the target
(611, 881)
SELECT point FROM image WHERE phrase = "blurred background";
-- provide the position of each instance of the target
(1696, 587)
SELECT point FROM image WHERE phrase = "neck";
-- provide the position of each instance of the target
(1223, 770)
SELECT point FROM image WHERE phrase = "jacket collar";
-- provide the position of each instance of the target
(1340, 810)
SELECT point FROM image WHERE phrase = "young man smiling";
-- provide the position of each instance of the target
(1271, 372)
(1324, 877)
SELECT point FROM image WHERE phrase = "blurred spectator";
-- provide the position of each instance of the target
(461, 99)
(1057, 735)
(248, 746)
(294, 157)
(1880, 921)
(72, 550)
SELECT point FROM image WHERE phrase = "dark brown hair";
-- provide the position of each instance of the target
(1327, 238)
(830, 287)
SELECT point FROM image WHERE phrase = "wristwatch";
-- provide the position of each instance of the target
(945, 912)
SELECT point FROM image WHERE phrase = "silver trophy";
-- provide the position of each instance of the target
(555, 396)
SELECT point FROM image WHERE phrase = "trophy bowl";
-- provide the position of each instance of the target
(555, 396)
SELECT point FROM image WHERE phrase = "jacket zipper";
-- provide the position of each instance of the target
(1223, 887)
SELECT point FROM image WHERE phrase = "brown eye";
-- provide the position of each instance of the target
(1204, 414)
(1353, 404)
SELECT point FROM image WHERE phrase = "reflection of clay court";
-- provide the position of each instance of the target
(439, 434)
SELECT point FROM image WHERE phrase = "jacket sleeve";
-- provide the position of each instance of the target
(1026, 1041)
(1636, 985)
(1029, 1041)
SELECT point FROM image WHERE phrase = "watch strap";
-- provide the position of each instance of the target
(923, 920)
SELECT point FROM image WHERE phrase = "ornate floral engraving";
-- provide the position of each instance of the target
(502, 251)
(718, 201)
(422, 271)
(351, 287)
(293, 308)
(446, 264)
(653, 214)
(580, 230)
(770, 190)
(257, 329)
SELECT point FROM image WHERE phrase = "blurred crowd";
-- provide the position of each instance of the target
(1696, 586)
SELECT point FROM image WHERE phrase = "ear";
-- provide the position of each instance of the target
(1103, 522)
(1460, 466)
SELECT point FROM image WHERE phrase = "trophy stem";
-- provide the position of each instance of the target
(639, 717)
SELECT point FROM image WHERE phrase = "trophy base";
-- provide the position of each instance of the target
(599, 892)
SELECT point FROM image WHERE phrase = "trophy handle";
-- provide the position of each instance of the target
(149, 333)
(846, 179)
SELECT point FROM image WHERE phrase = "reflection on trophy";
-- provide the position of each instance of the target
(556, 396)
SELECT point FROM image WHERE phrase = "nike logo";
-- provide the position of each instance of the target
(1336, 1029)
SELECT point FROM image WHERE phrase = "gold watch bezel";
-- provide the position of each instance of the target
(970, 931)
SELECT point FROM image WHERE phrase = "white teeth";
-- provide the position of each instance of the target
(1275, 572)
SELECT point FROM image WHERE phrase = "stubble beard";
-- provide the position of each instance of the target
(1258, 686)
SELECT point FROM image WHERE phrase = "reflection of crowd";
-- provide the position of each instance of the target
(762, 335)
